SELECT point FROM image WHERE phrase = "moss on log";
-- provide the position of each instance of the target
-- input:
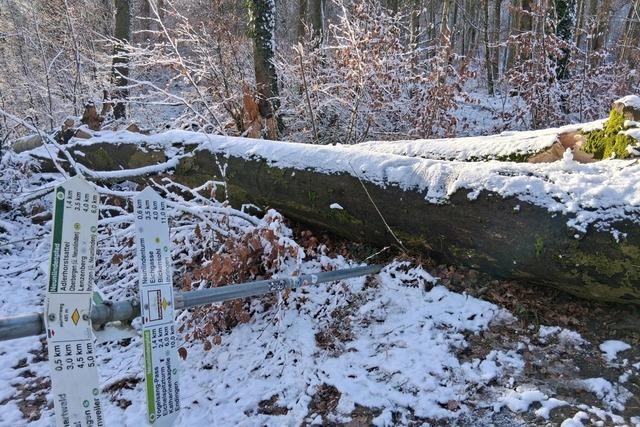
(608, 141)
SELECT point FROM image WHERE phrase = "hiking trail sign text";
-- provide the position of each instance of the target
(156, 307)
(67, 316)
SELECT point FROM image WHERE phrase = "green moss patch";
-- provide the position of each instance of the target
(608, 141)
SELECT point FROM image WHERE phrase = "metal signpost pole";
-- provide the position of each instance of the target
(74, 374)
(32, 324)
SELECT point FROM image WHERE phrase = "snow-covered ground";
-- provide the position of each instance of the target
(386, 350)
(398, 348)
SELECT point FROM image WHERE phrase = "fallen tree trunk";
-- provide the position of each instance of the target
(507, 233)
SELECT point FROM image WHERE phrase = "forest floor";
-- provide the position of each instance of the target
(400, 348)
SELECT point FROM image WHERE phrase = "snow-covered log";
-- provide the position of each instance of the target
(563, 224)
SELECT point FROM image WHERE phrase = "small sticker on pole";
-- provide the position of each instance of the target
(156, 308)
(74, 373)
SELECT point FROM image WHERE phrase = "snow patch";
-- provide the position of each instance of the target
(576, 421)
(614, 396)
(611, 348)
(632, 101)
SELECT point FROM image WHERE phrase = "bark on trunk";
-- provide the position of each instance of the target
(495, 49)
(565, 14)
(303, 5)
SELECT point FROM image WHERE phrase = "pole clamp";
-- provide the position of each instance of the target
(278, 285)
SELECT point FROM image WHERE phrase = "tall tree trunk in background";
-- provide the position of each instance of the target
(495, 49)
(262, 26)
(526, 20)
(465, 28)
(630, 51)
(303, 5)
(393, 6)
(146, 13)
(431, 24)
(445, 40)
(317, 19)
(472, 38)
(120, 70)
(578, 29)
(565, 13)
(487, 50)
(516, 20)
(444, 22)
(599, 12)
(454, 27)
(415, 23)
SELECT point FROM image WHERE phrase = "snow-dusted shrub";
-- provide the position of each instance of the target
(557, 80)
(50, 59)
(256, 252)
(193, 72)
(367, 81)
(213, 245)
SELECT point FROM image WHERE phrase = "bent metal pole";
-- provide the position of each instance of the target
(33, 324)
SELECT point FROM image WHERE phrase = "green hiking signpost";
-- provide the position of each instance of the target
(155, 279)
(74, 374)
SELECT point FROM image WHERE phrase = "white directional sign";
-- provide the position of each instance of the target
(156, 307)
(74, 374)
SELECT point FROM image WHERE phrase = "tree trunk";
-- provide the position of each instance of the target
(263, 14)
(393, 6)
(514, 29)
(578, 30)
(472, 39)
(120, 70)
(415, 23)
(303, 5)
(444, 22)
(631, 39)
(599, 11)
(495, 50)
(505, 237)
(317, 19)
(565, 12)
(526, 20)
(487, 49)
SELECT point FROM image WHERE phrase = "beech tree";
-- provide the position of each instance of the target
(262, 15)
